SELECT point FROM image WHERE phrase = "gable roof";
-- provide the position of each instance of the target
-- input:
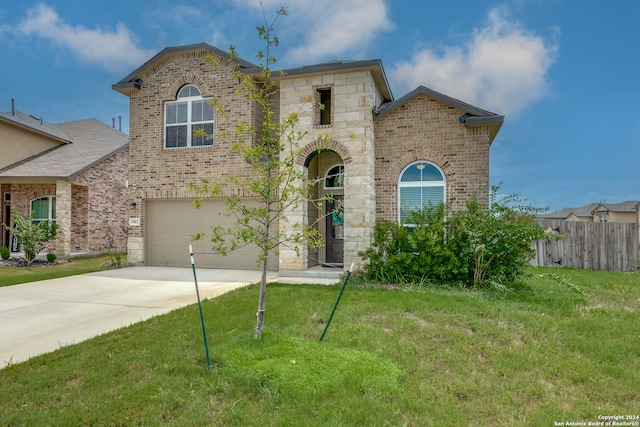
(33, 124)
(133, 81)
(626, 206)
(89, 142)
(590, 209)
(583, 211)
(473, 116)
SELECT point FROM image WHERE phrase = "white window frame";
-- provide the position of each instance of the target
(419, 184)
(190, 123)
(326, 175)
(50, 218)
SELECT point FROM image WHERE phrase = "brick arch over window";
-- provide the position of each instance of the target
(315, 146)
(198, 81)
(413, 156)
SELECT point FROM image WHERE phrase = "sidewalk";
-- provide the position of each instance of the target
(40, 317)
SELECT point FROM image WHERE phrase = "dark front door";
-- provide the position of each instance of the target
(335, 232)
(7, 233)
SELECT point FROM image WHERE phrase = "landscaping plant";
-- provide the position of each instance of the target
(472, 247)
(277, 186)
(32, 235)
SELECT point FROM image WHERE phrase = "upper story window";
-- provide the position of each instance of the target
(182, 117)
(334, 177)
(324, 106)
(421, 185)
(44, 209)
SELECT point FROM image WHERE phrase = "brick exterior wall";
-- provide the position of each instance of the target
(159, 173)
(373, 152)
(98, 206)
(426, 129)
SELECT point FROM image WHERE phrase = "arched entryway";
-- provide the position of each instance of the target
(326, 168)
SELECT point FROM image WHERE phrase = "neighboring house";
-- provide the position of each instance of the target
(72, 173)
(599, 212)
(385, 156)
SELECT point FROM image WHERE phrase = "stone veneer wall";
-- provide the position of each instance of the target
(426, 129)
(159, 173)
(351, 135)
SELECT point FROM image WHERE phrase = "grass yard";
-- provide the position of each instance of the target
(16, 275)
(565, 347)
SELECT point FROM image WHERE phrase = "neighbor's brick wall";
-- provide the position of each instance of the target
(158, 173)
(100, 206)
(21, 196)
(426, 129)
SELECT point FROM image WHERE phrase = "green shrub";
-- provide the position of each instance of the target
(5, 252)
(472, 247)
(51, 257)
(31, 235)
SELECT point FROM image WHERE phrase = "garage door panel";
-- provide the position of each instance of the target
(170, 225)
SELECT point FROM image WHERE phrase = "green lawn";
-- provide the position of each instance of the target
(417, 357)
(17, 275)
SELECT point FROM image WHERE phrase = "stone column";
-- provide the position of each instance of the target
(63, 218)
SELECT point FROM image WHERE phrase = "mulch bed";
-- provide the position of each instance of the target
(20, 262)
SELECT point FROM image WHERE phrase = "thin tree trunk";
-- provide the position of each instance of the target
(263, 279)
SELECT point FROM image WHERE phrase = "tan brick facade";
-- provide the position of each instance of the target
(429, 130)
(373, 148)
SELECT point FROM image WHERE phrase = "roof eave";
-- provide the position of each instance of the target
(129, 84)
(34, 130)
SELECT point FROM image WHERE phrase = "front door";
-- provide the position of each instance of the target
(335, 232)
(7, 233)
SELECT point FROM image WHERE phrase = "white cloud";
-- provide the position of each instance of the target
(502, 68)
(326, 28)
(113, 50)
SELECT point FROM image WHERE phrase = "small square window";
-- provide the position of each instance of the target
(7, 197)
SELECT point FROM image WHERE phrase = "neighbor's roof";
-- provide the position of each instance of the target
(34, 124)
(89, 142)
(626, 206)
(590, 209)
(564, 213)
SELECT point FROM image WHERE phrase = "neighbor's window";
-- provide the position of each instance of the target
(603, 217)
(182, 117)
(44, 209)
(421, 185)
(334, 177)
(323, 99)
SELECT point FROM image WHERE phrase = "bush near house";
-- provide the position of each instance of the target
(32, 235)
(473, 247)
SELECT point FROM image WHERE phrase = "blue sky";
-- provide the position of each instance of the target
(566, 74)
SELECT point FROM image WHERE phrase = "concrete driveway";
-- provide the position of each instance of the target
(40, 317)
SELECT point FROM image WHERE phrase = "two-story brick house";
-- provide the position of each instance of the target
(385, 157)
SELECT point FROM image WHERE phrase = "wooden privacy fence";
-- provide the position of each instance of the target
(611, 246)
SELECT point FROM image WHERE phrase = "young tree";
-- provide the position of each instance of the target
(32, 236)
(275, 187)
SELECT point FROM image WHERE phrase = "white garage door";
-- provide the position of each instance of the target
(169, 225)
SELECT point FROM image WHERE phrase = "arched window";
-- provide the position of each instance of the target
(44, 209)
(421, 184)
(189, 112)
(334, 177)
